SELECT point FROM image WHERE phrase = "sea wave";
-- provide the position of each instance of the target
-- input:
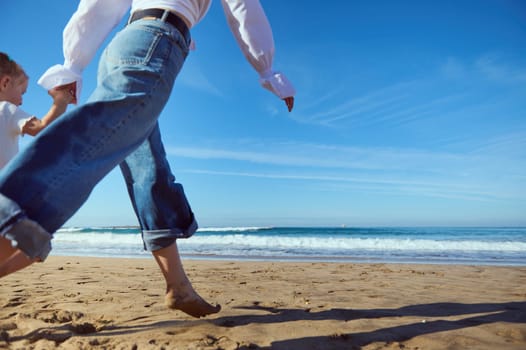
(136, 229)
(451, 245)
(234, 229)
(274, 242)
(342, 244)
(100, 229)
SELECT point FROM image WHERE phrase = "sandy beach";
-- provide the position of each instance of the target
(105, 303)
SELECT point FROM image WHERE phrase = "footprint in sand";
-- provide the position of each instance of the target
(60, 316)
(14, 302)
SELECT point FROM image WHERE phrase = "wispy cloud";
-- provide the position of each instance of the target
(193, 77)
(344, 108)
(485, 171)
(418, 99)
(493, 67)
(378, 185)
(416, 110)
(490, 67)
(513, 145)
(391, 106)
(323, 156)
(474, 157)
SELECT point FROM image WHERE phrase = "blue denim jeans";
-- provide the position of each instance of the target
(44, 185)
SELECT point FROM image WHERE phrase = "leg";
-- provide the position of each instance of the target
(17, 261)
(49, 180)
(12, 259)
(159, 202)
(180, 294)
(21, 243)
(164, 214)
(6, 249)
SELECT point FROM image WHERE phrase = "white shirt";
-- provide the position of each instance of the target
(12, 120)
(95, 19)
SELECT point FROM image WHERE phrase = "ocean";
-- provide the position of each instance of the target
(433, 245)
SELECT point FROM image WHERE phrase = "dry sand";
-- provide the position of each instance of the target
(96, 303)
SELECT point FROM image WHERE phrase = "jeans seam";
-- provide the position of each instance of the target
(104, 139)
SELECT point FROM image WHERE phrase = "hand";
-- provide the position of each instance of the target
(32, 126)
(70, 88)
(64, 94)
(61, 97)
(289, 101)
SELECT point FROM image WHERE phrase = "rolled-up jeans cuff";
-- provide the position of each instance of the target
(24, 233)
(158, 239)
(30, 238)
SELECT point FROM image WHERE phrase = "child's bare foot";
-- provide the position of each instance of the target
(191, 303)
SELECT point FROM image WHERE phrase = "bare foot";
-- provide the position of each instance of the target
(192, 304)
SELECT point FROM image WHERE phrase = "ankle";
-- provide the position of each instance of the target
(179, 288)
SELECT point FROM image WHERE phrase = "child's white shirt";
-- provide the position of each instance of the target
(12, 120)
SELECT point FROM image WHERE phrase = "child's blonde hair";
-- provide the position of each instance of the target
(10, 67)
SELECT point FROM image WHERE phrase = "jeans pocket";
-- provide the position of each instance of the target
(138, 46)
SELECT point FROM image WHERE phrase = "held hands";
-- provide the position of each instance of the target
(32, 126)
(62, 96)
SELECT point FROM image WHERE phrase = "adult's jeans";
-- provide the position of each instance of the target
(44, 185)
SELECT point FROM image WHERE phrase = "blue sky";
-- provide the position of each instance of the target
(407, 113)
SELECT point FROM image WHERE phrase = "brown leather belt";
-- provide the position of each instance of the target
(165, 16)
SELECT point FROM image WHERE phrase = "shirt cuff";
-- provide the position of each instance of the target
(278, 84)
(59, 75)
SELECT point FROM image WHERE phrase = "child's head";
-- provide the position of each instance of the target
(13, 80)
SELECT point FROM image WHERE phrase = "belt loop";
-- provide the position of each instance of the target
(165, 15)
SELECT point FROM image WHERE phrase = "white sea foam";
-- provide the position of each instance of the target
(290, 242)
(323, 243)
(97, 239)
(232, 229)
(246, 242)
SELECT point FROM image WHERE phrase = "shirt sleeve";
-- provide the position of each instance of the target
(83, 35)
(253, 33)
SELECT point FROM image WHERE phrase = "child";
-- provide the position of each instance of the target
(14, 121)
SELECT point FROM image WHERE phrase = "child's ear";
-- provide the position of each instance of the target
(4, 82)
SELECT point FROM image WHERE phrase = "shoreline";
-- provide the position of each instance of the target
(71, 302)
(481, 246)
(318, 259)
